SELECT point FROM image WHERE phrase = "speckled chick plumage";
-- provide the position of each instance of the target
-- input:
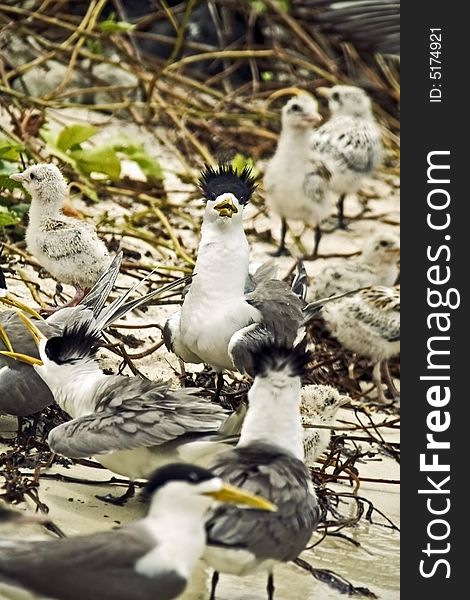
(68, 248)
(377, 265)
(297, 187)
(350, 142)
(367, 322)
(319, 406)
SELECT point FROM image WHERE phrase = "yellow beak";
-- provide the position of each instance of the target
(226, 208)
(10, 300)
(234, 495)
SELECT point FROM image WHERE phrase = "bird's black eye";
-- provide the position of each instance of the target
(335, 96)
(384, 244)
(32, 176)
(296, 108)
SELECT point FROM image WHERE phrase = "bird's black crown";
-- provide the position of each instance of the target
(77, 342)
(176, 472)
(224, 179)
(272, 356)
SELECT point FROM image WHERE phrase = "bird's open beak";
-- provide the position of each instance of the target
(344, 400)
(324, 92)
(234, 495)
(36, 335)
(395, 251)
(18, 177)
(10, 300)
(226, 207)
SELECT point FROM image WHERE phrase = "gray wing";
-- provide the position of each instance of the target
(135, 413)
(22, 391)
(103, 563)
(279, 306)
(264, 469)
(353, 143)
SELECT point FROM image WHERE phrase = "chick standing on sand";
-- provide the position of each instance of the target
(350, 143)
(68, 248)
(297, 186)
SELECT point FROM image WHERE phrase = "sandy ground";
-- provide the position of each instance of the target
(73, 506)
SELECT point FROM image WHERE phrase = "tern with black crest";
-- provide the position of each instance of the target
(226, 307)
(150, 559)
(269, 460)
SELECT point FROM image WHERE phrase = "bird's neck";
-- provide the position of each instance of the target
(73, 386)
(45, 207)
(273, 415)
(294, 139)
(178, 528)
(222, 262)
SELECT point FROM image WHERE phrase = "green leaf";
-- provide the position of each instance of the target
(101, 160)
(73, 135)
(239, 162)
(7, 217)
(10, 151)
(115, 26)
(150, 166)
(8, 184)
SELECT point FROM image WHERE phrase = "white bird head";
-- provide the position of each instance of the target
(321, 402)
(348, 101)
(226, 193)
(43, 181)
(382, 248)
(301, 112)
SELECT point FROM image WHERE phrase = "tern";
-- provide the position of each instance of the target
(22, 390)
(368, 323)
(68, 248)
(350, 142)
(149, 559)
(226, 307)
(297, 186)
(128, 424)
(269, 460)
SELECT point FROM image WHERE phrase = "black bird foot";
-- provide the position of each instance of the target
(118, 500)
(215, 581)
(280, 252)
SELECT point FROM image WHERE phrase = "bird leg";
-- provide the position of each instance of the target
(282, 250)
(389, 381)
(219, 384)
(317, 238)
(341, 221)
(119, 500)
(214, 582)
(79, 295)
(270, 587)
(377, 379)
